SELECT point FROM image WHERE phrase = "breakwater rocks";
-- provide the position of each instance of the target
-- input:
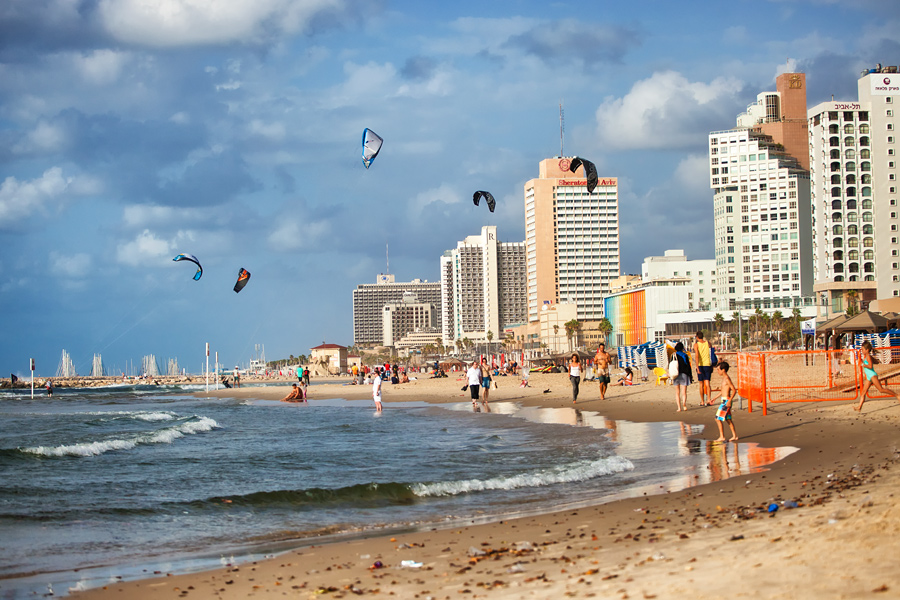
(88, 382)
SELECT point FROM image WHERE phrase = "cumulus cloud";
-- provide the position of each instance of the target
(148, 247)
(20, 199)
(169, 23)
(70, 265)
(44, 137)
(101, 66)
(667, 111)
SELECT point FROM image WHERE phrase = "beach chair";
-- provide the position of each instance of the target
(661, 375)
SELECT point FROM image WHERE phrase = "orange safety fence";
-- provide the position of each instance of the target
(811, 376)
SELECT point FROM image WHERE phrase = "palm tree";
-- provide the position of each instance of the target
(572, 328)
(852, 303)
(490, 338)
(605, 328)
(719, 320)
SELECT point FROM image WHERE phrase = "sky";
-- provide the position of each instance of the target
(135, 130)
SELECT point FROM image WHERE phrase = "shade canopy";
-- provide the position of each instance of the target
(865, 321)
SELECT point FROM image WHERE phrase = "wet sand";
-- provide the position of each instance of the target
(711, 541)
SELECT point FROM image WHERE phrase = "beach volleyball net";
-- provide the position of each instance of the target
(811, 376)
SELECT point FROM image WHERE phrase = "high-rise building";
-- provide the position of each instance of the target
(853, 172)
(409, 315)
(571, 239)
(369, 300)
(763, 228)
(482, 287)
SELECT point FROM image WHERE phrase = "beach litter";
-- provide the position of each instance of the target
(410, 564)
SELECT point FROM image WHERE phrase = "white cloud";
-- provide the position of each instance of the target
(102, 66)
(147, 247)
(168, 23)
(70, 265)
(44, 137)
(667, 111)
(274, 132)
(19, 199)
(692, 175)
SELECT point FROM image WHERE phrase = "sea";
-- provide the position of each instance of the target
(131, 481)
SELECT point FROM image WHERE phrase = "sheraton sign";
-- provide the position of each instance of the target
(583, 182)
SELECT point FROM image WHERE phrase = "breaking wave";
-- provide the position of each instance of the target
(162, 436)
(578, 472)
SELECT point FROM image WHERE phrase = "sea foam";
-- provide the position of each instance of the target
(163, 436)
(577, 472)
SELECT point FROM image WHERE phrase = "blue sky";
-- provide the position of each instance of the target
(131, 131)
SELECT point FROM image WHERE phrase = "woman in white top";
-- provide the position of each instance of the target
(575, 375)
(473, 376)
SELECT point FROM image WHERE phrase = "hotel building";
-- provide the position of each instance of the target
(571, 239)
(482, 288)
(763, 225)
(370, 299)
(853, 172)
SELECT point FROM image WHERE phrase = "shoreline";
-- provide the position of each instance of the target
(841, 477)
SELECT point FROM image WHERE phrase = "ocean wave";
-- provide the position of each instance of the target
(140, 415)
(578, 472)
(163, 436)
(364, 493)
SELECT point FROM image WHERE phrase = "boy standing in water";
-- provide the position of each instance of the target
(726, 393)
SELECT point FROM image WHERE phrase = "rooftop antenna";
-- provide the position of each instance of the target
(387, 257)
(562, 129)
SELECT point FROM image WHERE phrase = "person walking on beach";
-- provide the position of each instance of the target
(237, 377)
(575, 375)
(485, 379)
(684, 377)
(601, 364)
(473, 377)
(704, 368)
(868, 366)
(299, 374)
(306, 376)
(376, 391)
(726, 393)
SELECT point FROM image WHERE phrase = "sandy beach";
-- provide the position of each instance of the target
(710, 541)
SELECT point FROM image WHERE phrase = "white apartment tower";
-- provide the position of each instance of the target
(370, 299)
(675, 266)
(482, 287)
(853, 169)
(763, 239)
(571, 239)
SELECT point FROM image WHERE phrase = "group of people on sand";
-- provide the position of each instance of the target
(704, 360)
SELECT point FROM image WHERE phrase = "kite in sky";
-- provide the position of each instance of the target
(590, 171)
(487, 198)
(243, 278)
(371, 145)
(194, 260)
